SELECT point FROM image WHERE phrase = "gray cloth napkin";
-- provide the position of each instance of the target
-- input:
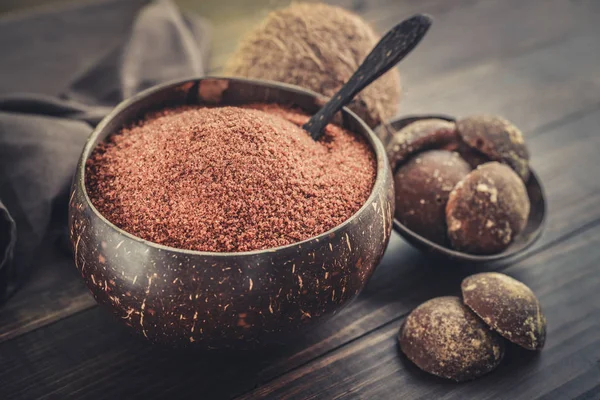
(62, 72)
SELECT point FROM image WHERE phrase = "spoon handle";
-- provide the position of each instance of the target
(392, 48)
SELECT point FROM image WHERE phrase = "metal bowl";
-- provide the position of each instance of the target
(227, 300)
(529, 235)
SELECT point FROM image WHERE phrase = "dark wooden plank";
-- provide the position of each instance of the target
(470, 32)
(118, 366)
(88, 356)
(52, 291)
(566, 280)
(531, 89)
(101, 360)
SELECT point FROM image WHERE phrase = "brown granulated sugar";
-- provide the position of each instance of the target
(229, 179)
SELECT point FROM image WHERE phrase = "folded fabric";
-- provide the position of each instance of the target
(8, 237)
(42, 132)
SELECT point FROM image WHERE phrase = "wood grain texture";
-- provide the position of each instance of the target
(405, 278)
(541, 71)
(52, 292)
(103, 361)
(565, 278)
(88, 356)
(571, 205)
(534, 103)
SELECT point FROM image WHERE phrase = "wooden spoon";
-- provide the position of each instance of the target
(393, 47)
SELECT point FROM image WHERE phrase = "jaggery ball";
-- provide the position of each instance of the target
(487, 209)
(422, 187)
(424, 134)
(498, 139)
(317, 46)
(507, 306)
(444, 338)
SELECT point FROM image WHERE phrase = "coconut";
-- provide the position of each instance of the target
(317, 46)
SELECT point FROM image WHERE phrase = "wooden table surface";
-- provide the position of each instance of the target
(536, 62)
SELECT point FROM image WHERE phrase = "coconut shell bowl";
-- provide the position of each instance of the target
(244, 300)
(526, 238)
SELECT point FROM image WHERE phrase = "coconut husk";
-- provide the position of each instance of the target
(317, 46)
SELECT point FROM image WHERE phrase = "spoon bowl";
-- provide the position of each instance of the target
(529, 235)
